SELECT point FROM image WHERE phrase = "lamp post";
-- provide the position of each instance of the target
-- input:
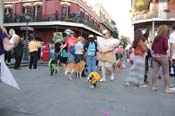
(26, 51)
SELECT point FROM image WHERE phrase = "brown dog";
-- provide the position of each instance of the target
(75, 68)
(118, 65)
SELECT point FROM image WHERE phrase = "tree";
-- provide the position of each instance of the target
(1, 11)
(124, 41)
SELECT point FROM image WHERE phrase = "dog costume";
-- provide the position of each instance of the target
(93, 77)
(53, 66)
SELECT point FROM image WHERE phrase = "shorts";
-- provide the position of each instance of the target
(105, 64)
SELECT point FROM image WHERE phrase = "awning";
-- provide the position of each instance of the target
(27, 4)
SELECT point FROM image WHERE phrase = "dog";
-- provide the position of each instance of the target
(93, 78)
(75, 68)
(53, 66)
(118, 65)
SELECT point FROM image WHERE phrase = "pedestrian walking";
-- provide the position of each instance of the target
(106, 54)
(160, 47)
(137, 70)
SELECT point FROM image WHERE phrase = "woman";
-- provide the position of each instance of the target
(33, 49)
(91, 49)
(79, 49)
(160, 47)
(6, 45)
(137, 70)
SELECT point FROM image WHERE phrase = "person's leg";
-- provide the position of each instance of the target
(164, 62)
(31, 60)
(16, 62)
(35, 60)
(156, 66)
(102, 65)
(93, 65)
(88, 64)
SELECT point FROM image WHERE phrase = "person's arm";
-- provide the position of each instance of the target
(142, 46)
(172, 50)
(7, 46)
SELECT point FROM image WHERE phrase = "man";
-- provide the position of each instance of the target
(172, 51)
(70, 41)
(106, 46)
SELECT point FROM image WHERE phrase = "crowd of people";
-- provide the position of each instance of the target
(102, 52)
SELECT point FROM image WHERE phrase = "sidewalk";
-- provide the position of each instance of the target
(25, 63)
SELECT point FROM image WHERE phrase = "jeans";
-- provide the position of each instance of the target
(91, 64)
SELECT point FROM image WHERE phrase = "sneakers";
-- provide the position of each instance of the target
(172, 89)
(112, 77)
(102, 79)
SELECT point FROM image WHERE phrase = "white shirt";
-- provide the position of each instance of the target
(12, 40)
(172, 41)
(78, 47)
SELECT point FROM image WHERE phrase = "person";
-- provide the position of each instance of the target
(18, 53)
(160, 47)
(33, 50)
(79, 49)
(90, 48)
(172, 51)
(8, 54)
(106, 46)
(57, 47)
(137, 70)
(70, 41)
(5, 44)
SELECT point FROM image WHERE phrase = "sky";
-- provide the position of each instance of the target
(119, 12)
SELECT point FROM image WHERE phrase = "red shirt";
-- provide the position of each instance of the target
(70, 41)
(160, 45)
(140, 49)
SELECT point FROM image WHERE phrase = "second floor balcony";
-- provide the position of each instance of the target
(43, 18)
(163, 14)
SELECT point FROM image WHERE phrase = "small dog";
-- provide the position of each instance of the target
(93, 78)
(53, 66)
(75, 68)
(118, 65)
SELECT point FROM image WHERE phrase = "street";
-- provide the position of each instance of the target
(43, 95)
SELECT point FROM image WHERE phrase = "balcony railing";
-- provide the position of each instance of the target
(71, 18)
(162, 14)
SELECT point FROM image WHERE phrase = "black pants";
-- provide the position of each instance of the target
(146, 68)
(17, 61)
(33, 60)
(8, 56)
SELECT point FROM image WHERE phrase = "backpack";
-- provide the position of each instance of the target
(72, 49)
(64, 53)
(91, 49)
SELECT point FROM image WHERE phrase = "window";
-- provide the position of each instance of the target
(65, 11)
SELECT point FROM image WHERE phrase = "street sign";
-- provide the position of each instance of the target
(28, 28)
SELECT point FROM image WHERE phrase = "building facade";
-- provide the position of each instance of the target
(152, 13)
(45, 17)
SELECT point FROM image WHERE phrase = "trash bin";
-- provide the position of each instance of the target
(45, 52)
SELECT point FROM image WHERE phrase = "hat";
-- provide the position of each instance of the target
(105, 31)
(72, 32)
(80, 38)
(91, 36)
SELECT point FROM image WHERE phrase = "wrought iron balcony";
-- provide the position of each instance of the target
(165, 14)
(70, 18)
